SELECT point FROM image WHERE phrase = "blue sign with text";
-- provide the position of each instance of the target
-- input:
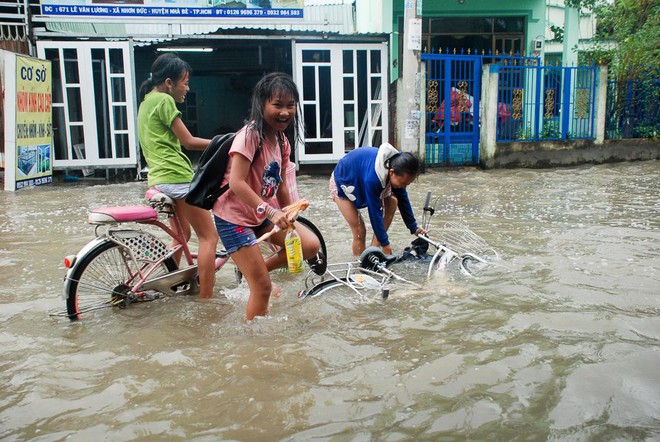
(176, 8)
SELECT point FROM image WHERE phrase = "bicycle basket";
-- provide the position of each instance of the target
(459, 238)
(143, 245)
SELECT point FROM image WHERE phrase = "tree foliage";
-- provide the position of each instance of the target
(634, 27)
(628, 41)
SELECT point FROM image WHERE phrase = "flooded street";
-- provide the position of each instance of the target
(558, 339)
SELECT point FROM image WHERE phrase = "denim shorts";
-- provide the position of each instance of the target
(234, 236)
(174, 191)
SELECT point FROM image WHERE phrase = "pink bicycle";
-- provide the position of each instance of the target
(126, 264)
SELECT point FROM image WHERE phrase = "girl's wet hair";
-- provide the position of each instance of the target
(166, 66)
(275, 83)
(405, 163)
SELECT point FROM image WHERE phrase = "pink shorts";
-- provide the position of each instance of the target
(333, 187)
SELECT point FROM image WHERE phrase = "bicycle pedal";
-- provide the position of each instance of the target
(121, 302)
(145, 297)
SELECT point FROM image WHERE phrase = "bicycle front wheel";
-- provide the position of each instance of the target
(324, 287)
(103, 278)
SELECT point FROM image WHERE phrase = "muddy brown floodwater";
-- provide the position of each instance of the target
(556, 340)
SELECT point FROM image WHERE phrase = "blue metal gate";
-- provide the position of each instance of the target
(546, 103)
(453, 91)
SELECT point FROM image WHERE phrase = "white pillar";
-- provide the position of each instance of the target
(601, 104)
(571, 35)
(488, 130)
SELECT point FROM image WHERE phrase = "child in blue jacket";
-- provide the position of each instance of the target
(375, 178)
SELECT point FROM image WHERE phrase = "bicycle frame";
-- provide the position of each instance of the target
(185, 279)
(368, 272)
(129, 264)
(456, 243)
(444, 255)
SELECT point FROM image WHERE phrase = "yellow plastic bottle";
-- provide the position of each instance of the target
(293, 246)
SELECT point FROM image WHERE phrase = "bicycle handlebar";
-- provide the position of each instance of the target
(428, 200)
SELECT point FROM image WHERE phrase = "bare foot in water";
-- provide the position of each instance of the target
(276, 291)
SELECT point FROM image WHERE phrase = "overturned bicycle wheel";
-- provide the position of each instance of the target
(374, 259)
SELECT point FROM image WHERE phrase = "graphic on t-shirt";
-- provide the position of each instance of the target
(271, 180)
(348, 191)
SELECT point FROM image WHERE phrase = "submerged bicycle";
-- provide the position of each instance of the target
(126, 264)
(372, 270)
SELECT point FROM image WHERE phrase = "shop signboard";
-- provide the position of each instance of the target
(28, 137)
(242, 9)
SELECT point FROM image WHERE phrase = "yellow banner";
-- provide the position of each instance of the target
(34, 124)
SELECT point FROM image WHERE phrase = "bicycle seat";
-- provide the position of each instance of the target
(121, 214)
(373, 257)
(156, 196)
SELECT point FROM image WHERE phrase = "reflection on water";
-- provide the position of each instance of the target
(557, 340)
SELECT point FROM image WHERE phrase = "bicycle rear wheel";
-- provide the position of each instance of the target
(103, 278)
(469, 264)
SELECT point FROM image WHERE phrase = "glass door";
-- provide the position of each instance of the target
(93, 104)
(343, 92)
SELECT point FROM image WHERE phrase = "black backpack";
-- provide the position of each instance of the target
(205, 186)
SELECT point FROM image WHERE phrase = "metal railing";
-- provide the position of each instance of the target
(633, 107)
(538, 103)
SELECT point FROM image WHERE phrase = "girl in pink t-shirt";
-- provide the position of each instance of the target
(257, 158)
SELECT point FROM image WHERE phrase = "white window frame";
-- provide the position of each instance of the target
(88, 103)
(337, 98)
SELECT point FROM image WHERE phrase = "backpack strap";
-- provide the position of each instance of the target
(279, 141)
(258, 152)
(225, 188)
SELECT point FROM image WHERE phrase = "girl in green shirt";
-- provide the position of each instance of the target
(161, 133)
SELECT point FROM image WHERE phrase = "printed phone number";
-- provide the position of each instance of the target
(143, 11)
(34, 182)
